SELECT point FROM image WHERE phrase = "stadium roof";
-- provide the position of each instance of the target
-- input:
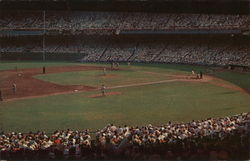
(123, 0)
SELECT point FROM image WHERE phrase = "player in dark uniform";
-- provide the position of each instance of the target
(44, 70)
(201, 75)
(112, 65)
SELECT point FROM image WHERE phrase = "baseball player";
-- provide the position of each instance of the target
(44, 70)
(201, 75)
(112, 65)
(103, 90)
(104, 71)
(14, 88)
(1, 95)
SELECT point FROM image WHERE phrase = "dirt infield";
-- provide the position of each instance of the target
(27, 86)
(229, 86)
(30, 87)
(206, 78)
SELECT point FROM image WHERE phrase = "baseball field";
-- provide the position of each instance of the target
(68, 95)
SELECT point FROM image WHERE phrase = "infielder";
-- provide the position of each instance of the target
(1, 95)
(104, 71)
(14, 88)
(103, 90)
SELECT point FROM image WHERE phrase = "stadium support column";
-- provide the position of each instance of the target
(43, 35)
(248, 6)
(43, 47)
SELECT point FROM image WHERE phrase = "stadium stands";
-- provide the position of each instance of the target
(95, 37)
(201, 50)
(214, 138)
(80, 20)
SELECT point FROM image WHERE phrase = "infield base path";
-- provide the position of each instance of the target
(28, 86)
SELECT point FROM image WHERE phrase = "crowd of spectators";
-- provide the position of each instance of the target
(80, 20)
(214, 138)
(204, 51)
(41, 145)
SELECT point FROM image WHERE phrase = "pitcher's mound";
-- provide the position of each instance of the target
(100, 94)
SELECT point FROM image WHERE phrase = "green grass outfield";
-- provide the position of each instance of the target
(95, 78)
(240, 79)
(155, 104)
(10, 65)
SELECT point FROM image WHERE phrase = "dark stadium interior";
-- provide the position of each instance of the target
(170, 6)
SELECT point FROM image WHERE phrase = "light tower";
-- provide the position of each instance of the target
(44, 35)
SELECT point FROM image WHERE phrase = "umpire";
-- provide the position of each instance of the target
(201, 75)
(44, 70)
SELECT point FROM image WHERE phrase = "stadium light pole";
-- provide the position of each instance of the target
(44, 35)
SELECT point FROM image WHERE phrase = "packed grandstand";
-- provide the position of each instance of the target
(201, 50)
(215, 139)
(93, 36)
(79, 20)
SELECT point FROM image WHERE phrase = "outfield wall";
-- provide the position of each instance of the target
(38, 56)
